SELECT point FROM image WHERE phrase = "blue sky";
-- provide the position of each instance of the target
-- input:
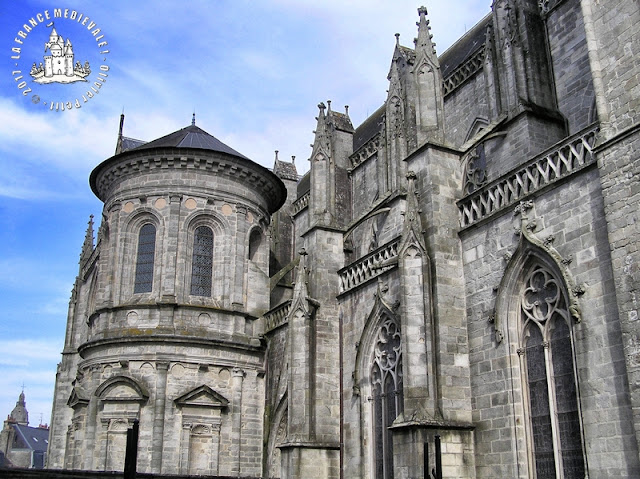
(253, 71)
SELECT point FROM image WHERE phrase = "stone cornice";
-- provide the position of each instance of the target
(250, 344)
(131, 163)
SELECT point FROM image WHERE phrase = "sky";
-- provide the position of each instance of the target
(252, 71)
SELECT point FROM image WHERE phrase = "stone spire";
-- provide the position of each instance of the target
(423, 42)
(87, 246)
(19, 414)
(322, 142)
(120, 131)
(428, 83)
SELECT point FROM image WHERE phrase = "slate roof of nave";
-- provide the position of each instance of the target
(369, 128)
(468, 44)
(451, 59)
(191, 137)
(304, 185)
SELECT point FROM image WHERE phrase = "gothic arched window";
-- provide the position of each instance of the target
(145, 259)
(386, 385)
(202, 264)
(548, 366)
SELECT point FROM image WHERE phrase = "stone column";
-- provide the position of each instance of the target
(90, 442)
(239, 263)
(236, 419)
(214, 465)
(158, 417)
(185, 436)
(172, 238)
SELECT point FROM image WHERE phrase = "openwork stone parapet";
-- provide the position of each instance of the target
(277, 317)
(371, 266)
(366, 151)
(558, 162)
(300, 204)
(465, 71)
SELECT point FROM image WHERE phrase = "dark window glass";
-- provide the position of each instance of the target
(145, 259)
(566, 401)
(539, 405)
(202, 264)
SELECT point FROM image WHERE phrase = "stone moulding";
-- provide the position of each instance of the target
(560, 161)
(371, 266)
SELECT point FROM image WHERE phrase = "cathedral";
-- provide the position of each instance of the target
(452, 286)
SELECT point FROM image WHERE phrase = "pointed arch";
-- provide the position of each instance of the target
(380, 310)
(378, 383)
(428, 94)
(530, 249)
(536, 309)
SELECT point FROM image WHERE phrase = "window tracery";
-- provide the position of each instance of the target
(386, 385)
(548, 365)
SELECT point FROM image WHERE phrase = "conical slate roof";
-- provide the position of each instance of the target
(191, 137)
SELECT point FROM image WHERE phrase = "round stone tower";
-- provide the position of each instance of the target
(163, 322)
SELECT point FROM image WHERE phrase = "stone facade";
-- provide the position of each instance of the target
(464, 264)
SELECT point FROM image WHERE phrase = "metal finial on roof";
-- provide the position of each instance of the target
(193, 119)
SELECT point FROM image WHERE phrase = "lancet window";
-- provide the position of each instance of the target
(202, 262)
(145, 259)
(548, 365)
(386, 385)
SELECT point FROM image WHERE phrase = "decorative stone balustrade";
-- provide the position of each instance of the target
(277, 317)
(371, 266)
(464, 71)
(366, 151)
(300, 204)
(558, 162)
